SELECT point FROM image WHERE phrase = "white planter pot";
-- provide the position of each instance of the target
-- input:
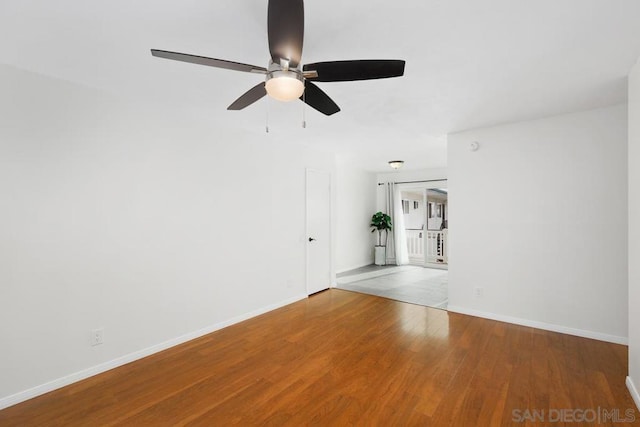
(380, 255)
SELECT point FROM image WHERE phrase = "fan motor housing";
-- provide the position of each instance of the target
(293, 74)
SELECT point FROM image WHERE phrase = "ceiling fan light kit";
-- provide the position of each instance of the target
(284, 79)
(285, 85)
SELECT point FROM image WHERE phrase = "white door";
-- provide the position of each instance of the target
(318, 238)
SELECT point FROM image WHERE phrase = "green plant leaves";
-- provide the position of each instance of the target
(381, 221)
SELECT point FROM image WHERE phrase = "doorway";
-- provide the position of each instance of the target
(425, 210)
(421, 210)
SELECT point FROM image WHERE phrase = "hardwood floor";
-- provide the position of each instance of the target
(342, 358)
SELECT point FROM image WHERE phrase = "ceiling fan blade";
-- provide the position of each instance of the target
(285, 19)
(365, 69)
(316, 98)
(211, 62)
(251, 96)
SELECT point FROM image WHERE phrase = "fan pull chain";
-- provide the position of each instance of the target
(267, 115)
(304, 109)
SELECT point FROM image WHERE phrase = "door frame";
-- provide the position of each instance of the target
(306, 226)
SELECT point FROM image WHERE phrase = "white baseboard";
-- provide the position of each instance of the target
(541, 325)
(634, 392)
(353, 267)
(11, 400)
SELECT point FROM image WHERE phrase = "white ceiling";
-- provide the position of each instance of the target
(469, 63)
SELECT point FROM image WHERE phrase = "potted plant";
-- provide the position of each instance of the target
(381, 222)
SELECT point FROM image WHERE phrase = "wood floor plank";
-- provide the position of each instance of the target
(342, 358)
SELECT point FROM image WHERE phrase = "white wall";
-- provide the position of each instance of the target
(355, 204)
(634, 232)
(566, 270)
(123, 216)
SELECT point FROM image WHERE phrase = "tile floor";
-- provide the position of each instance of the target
(407, 283)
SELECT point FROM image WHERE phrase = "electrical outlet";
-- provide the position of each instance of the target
(97, 337)
(479, 291)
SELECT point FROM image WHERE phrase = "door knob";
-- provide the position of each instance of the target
(311, 239)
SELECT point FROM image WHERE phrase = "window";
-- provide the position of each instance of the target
(405, 206)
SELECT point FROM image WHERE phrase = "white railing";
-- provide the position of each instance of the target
(415, 246)
(437, 247)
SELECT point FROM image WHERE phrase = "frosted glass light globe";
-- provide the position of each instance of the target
(285, 86)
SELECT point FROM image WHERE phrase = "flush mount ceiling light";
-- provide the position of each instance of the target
(396, 164)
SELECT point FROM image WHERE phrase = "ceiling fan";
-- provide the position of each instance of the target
(285, 80)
